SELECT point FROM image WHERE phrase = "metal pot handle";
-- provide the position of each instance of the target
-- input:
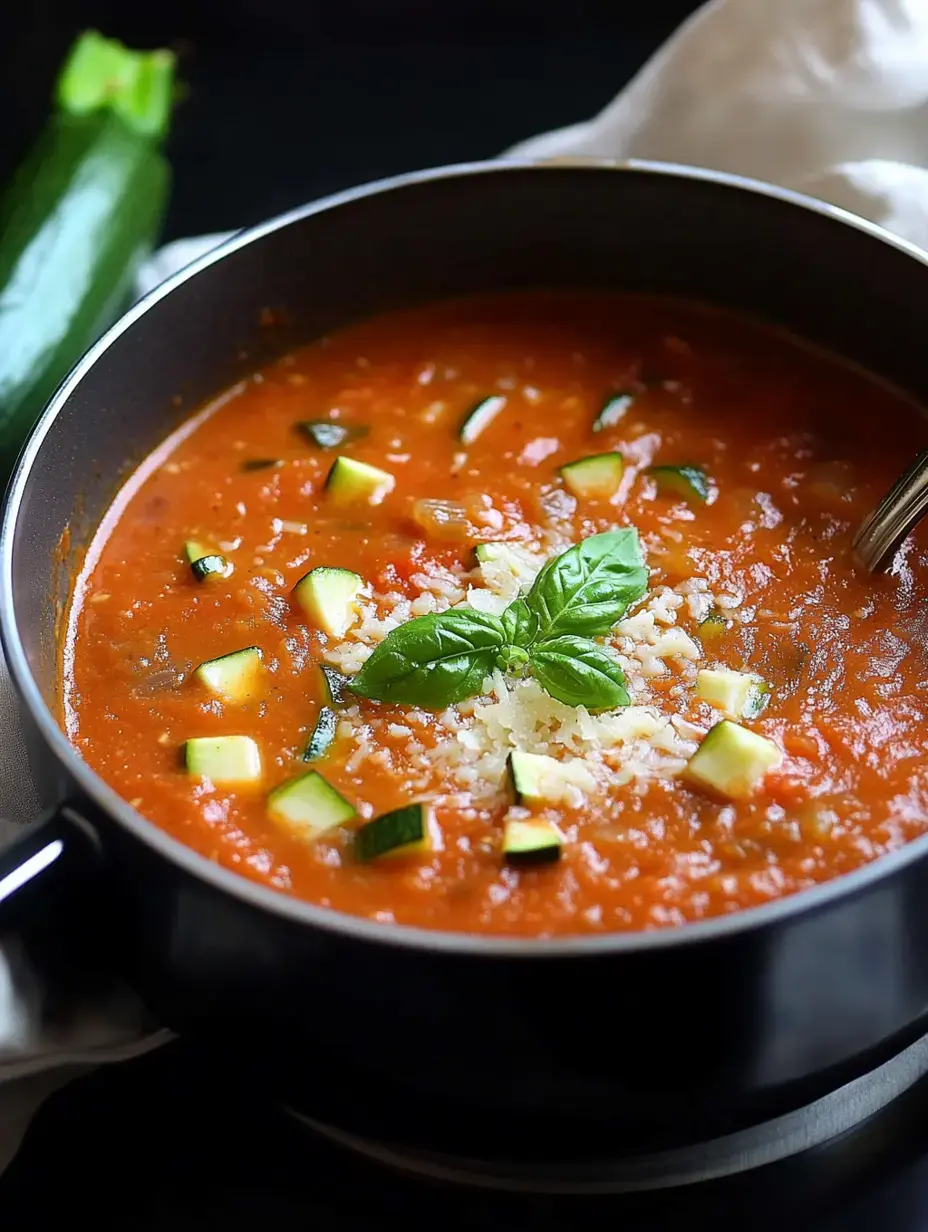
(52, 854)
(63, 1001)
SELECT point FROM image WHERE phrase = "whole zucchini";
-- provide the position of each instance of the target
(80, 215)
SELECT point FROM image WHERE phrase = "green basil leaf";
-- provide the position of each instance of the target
(520, 624)
(579, 673)
(513, 659)
(588, 588)
(433, 661)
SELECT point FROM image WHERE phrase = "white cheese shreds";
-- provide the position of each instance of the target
(491, 517)
(467, 747)
(482, 600)
(350, 657)
(510, 569)
(664, 605)
(443, 584)
(728, 601)
(422, 606)
(675, 643)
(638, 741)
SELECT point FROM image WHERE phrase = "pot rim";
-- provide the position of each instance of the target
(296, 910)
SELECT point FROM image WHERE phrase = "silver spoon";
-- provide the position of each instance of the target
(903, 506)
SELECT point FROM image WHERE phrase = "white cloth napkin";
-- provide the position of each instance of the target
(826, 96)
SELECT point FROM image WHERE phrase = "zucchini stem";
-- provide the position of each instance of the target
(102, 73)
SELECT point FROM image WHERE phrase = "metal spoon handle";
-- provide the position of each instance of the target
(903, 506)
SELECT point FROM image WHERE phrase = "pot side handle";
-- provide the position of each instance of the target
(45, 863)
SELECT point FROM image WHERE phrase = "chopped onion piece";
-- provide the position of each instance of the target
(441, 519)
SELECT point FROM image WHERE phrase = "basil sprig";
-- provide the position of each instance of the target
(440, 659)
(586, 589)
(579, 673)
(434, 660)
(520, 624)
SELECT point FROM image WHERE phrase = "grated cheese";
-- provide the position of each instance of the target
(649, 739)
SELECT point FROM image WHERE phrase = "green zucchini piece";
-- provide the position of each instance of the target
(403, 832)
(308, 806)
(536, 778)
(261, 464)
(327, 597)
(739, 694)
(531, 842)
(613, 411)
(525, 775)
(732, 761)
(322, 734)
(334, 683)
(757, 699)
(207, 568)
(234, 677)
(327, 434)
(196, 551)
(691, 483)
(206, 564)
(712, 628)
(226, 761)
(595, 478)
(479, 417)
(77, 219)
(349, 482)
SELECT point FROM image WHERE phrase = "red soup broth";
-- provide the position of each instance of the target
(753, 575)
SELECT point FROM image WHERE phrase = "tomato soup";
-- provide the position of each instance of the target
(526, 614)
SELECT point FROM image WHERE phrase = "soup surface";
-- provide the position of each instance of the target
(552, 756)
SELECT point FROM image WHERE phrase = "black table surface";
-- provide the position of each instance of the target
(286, 102)
(169, 1143)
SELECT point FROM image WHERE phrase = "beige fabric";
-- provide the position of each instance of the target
(829, 97)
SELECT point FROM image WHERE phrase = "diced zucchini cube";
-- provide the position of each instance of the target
(725, 690)
(327, 596)
(732, 761)
(234, 677)
(227, 761)
(308, 806)
(404, 831)
(536, 778)
(349, 482)
(534, 841)
(595, 478)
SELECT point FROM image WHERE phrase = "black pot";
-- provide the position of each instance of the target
(655, 1038)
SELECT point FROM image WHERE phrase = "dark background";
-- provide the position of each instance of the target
(290, 99)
